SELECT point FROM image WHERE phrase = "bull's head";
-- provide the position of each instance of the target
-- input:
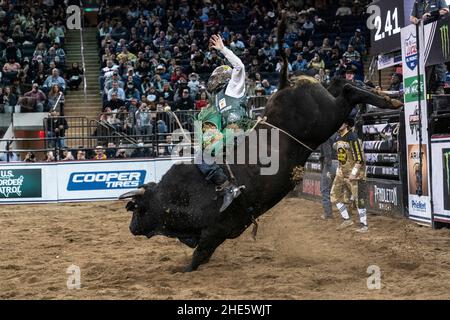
(143, 222)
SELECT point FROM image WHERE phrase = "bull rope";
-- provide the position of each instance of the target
(263, 121)
(259, 119)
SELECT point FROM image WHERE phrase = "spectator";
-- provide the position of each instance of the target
(152, 94)
(143, 120)
(117, 90)
(56, 99)
(267, 66)
(202, 101)
(268, 88)
(185, 102)
(10, 70)
(109, 117)
(111, 150)
(99, 153)
(9, 100)
(344, 9)
(358, 42)
(30, 157)
(114, 104)
(299, 64)
(193, 84)
(167, 92)
(396, 82)
(339, 44)
(121, 154)
(49, 156)
(351, 54)
(140, 151)
(316, 63)
(38, 95)
(81, 155)
(110, 79)
(9, 156)
(67, 155)
(131, 92)
(56, 130)
(11, 51)
(57, 32)
(280, 64)
(59, 52)
(53, 79)
(74, 76)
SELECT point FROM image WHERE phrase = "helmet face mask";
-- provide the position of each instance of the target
(219, 78)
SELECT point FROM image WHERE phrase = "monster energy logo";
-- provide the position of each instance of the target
(445, 41)
(447, 156)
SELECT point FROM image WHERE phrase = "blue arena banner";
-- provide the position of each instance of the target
(106, 180)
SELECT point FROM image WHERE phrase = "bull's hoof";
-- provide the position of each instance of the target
(189, 268)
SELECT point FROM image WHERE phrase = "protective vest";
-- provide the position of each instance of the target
(232, 109)
(349, 152)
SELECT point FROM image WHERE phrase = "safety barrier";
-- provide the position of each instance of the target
(77, 180)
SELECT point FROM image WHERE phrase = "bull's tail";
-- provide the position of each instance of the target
(282, 26)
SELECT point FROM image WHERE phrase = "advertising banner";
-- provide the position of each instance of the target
(383, 197)
(440, 147)
(102, 179)
(419, 205)
(28, 183)
(311, 184)
(78, 180)
(386, 60)
(20, 183)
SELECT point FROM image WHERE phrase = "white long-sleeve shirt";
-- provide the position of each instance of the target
(236, 86)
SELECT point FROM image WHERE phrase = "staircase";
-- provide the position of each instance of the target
(385, 75)
(77, 103)
(81, 108)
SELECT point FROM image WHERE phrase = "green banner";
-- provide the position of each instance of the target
(411, 87)
(20, 183)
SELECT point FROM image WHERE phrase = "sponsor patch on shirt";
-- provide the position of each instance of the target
(222, 103)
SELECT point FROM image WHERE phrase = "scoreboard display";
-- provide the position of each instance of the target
(385, 20)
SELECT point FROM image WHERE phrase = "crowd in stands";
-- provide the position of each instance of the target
(33, 73)
(155, 55)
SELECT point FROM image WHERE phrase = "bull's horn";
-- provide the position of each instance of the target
(131, 194)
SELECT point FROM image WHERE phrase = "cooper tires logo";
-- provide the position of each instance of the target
(106, 180)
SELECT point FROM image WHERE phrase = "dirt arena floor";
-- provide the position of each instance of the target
(296, 256)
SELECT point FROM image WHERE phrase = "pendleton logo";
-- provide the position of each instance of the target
(445, 41)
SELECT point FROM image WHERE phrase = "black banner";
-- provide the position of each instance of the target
(386, 18)
(384, 196)
(437, 49)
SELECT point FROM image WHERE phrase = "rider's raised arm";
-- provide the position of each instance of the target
(236, 86)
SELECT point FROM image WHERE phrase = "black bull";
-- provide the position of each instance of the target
(183, 204)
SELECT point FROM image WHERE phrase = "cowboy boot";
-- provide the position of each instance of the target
(230, 192)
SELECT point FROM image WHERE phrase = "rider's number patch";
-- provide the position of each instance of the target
(222, 103)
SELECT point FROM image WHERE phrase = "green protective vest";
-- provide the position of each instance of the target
(223, 111)
(232, 109)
